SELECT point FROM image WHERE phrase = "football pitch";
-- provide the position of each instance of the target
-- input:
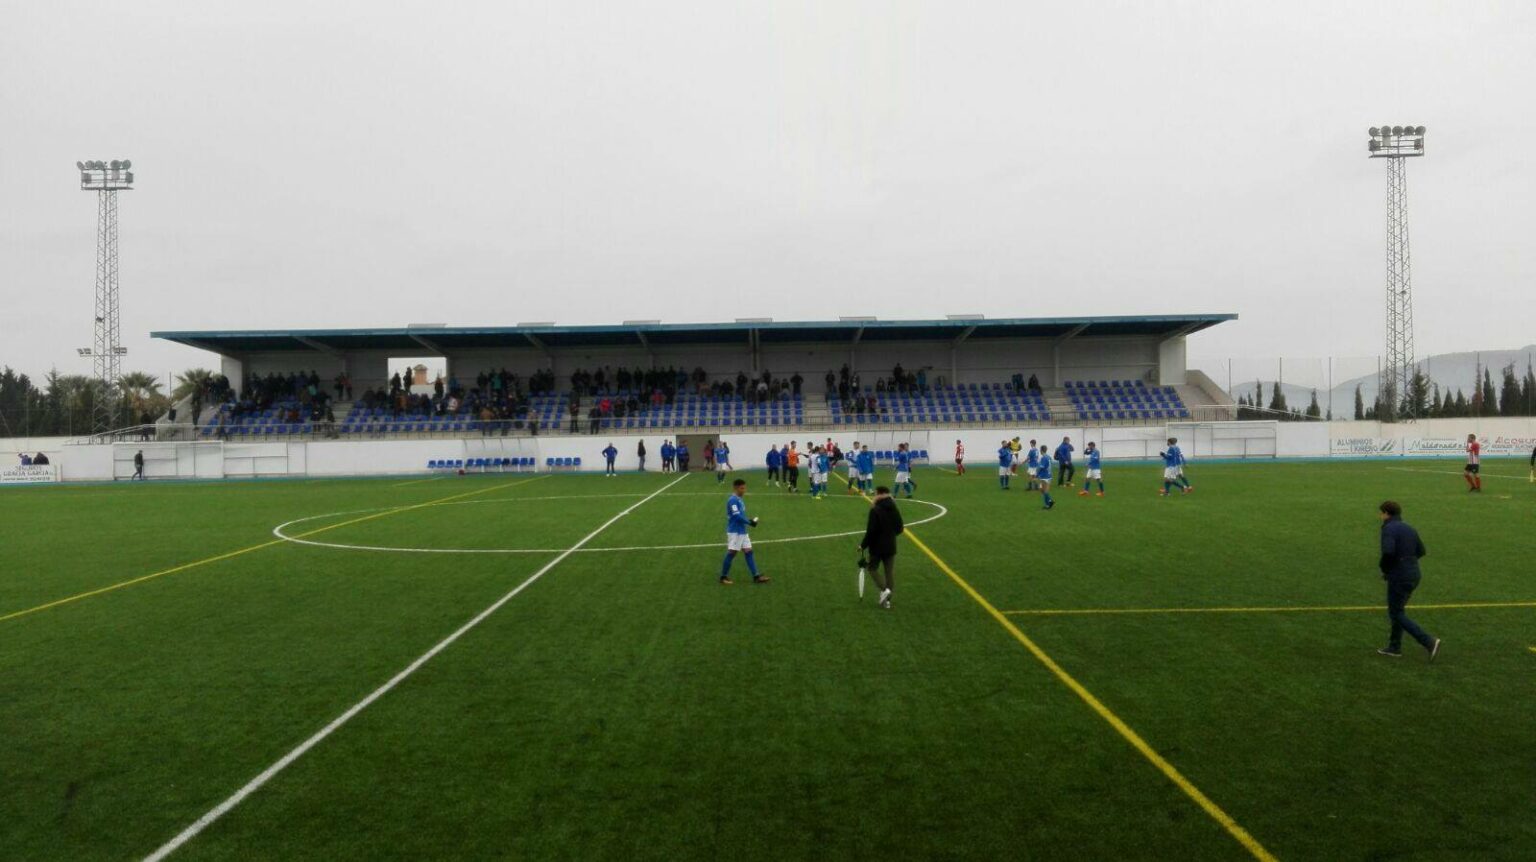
(519, 666)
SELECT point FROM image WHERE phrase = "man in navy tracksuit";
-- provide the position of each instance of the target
(1064, 459)
(1401, 549)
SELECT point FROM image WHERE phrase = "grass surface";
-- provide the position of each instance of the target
(625, 706)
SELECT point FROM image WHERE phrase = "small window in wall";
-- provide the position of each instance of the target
(418, 374)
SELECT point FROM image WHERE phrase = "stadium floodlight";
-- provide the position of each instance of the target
(106, 179)
(1396, 143)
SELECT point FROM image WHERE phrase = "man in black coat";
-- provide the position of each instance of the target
(879, 543)
(1401, 549)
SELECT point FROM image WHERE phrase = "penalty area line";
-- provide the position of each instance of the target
(246, 550)
(287, 760)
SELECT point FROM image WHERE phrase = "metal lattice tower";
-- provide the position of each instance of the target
(106, 351)
(1395, 144)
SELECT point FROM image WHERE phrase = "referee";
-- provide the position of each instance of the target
(879, 543)
(1401, 549)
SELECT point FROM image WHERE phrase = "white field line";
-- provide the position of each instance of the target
(1454, 473)
(419, 481)
(287, 760)
(278, 531)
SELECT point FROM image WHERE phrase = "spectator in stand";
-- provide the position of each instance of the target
(1034, 384)
(596, 417)
(796, 381)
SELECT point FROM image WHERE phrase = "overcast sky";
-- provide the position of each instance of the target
(323, 164)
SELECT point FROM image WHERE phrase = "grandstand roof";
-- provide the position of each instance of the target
(413, 339)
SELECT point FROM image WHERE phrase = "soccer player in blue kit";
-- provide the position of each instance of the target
(1094, 456)
(1004, 465)
(736, 538)
(904, 470)
(1043, 474)
(866, 469)
(1173, 468)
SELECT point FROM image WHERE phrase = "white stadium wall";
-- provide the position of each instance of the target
(1441, 438)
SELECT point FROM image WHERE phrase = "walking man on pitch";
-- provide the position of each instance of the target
(1401, 549)
(609, 455)
(138, 464)
(736, 539)
(792, 468)
(1173, 468)
(879, 543)
(904, 470)
(960, 458)
(775, 460)
(1064, 458)
(1094, 456)
(1043, 473)
(1474, 464)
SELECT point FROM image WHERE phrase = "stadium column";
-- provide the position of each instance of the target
(233, 369)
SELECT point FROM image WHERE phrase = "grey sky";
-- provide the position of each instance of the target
(375, 164)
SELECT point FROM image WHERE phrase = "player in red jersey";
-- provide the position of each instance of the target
(1474, 463)
(959, 457)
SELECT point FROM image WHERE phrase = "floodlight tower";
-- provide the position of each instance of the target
(1395, 144)
(106, 179)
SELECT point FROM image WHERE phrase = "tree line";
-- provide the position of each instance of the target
(65, 403)
(1515, 395)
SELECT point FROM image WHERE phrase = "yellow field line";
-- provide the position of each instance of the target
(1076, 612)
(1171, 772)
(230, 554)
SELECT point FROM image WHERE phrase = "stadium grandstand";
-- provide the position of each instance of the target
(747, 374)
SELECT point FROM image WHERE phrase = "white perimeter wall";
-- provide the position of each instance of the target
(1434, 438)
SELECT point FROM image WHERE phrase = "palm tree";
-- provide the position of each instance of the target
(191, 380)
(142, 392)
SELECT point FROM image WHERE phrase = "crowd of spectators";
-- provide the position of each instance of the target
(606, 393)
(847, 387)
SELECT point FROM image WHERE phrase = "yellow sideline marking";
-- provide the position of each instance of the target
(1074, 612)
(1171, 772)
(225, 556)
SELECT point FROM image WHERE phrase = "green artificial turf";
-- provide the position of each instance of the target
(626, 706)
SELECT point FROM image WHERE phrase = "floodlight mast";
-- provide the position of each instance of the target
(106, 179)
(1396, 143)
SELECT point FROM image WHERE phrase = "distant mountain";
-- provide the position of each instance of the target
(1451, 370)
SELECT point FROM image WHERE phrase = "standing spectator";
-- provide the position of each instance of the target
(797, 380)
(26, 460)
(640, 451)
(709, 455)
(1401, 549)
(682, 456)
(610, 455)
